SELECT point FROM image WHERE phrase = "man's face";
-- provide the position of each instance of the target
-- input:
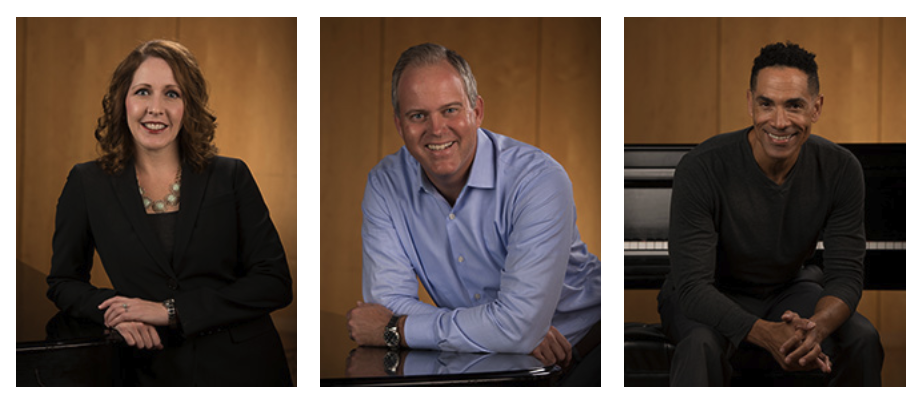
(437, 122)
(783, 111)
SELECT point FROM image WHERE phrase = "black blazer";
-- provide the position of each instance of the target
(228, 270)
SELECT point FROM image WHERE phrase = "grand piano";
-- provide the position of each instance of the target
(53, 349)
(649, 171)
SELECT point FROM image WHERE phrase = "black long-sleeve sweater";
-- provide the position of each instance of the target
(732, 229)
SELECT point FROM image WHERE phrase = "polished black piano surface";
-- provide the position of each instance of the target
(75, 353)
(343, 363)
(648, 179)
(53, 349)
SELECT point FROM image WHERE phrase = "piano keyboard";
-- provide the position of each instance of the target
(661, 245)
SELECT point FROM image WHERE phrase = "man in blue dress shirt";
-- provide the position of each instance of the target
(486, 223)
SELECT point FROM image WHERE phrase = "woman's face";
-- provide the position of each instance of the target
(154, 107)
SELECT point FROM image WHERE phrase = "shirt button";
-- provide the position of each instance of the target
(461, 259)
(477, 296)
(452, 216)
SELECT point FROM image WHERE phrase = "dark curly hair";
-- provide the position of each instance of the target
(788, 55)
(115, 142)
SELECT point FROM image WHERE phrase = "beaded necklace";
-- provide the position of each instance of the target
(170, 200)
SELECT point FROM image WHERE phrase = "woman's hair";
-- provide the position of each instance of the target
(116, 145)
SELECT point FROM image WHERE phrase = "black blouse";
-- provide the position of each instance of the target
(164, 225)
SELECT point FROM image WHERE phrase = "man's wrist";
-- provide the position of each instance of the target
(759, 333)
(830, 314)
(401, 332)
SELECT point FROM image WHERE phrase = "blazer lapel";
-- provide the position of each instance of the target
(192, 189)
(126, 188)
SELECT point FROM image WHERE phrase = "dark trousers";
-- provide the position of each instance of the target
(704, 357)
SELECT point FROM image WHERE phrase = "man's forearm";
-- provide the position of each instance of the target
(830, 313)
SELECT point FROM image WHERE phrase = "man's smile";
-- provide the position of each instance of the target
(440, 147)
(780, 139)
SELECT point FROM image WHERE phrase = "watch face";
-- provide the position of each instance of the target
(391, 337)
(391, 361)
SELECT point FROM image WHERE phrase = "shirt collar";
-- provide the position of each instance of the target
(483, 169)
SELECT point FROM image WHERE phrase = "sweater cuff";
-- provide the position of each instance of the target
(845, 294)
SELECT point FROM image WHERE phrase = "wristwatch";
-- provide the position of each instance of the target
(170, 305)
(391, 361)
(392, 338)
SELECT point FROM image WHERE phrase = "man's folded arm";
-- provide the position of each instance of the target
(538, 247)
(693, 242)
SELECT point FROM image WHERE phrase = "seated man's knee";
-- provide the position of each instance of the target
(865, 330)
(859, 334)
(703, 340)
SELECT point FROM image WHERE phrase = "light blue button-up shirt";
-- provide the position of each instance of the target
(503, 263)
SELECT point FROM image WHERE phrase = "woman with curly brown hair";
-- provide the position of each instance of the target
(184, 235)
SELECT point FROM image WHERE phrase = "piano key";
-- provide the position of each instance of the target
(654, 245)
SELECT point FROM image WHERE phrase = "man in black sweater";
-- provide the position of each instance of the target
(747, 209)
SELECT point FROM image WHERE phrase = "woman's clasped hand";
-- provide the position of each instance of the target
(135, 319)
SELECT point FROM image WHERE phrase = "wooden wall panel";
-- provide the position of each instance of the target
(847, 53)
(20, 117)
(351, 111)
(892, 128)
(861, 68)
(670, 80)
(886, 310)
(569, 113)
